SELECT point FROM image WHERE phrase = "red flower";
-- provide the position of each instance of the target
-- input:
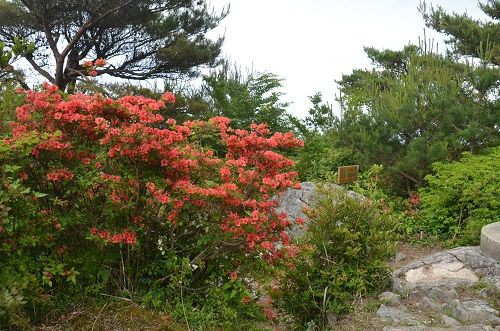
(130, 238)
(88, 64)
(158, 166)
(60, 174)
(116, 238)
(111, 178)
(267, 245)
(269, 313)
(100, 62)
(168, 97)
(414, 199)
(246, 300)
(103, 234)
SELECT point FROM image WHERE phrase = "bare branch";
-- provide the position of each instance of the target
(39, 69)
(48, 35)
(89, 25)
(50, 39)
(409, 177)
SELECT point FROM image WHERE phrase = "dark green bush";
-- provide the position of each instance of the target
(343, 257)
(461, 197)
(319, 161)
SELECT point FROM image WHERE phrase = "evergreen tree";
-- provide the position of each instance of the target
(416, 107)
(468, 37)
(426, 109)
(321, 117)
(139, 39)
(247, 99)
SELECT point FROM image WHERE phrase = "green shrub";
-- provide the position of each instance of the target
(107, 197)
(319, 161)
(9, 100)
(461, 197)
(343, 257)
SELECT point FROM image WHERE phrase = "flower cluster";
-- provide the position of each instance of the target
(59, 175)
(126, 237)
(91, 66)
(124, 157)
(168, 97)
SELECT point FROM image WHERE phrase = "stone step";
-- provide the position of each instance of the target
(490, 240)
(477, 327)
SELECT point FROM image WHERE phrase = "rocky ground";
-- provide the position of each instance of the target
(457, 289)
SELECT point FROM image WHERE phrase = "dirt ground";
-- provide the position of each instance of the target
(114, 315)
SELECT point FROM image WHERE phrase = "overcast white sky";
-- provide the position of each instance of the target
(311, 43)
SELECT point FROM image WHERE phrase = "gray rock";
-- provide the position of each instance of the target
(429, 304)
(449, 321)
(293, 202)
(397, 316)
(477, 327)
(399, 257)
(430, 283)
(440, 257)
(331, 319)
(493, 280)
(475, 311)
(474, 258)
(448, 274)
(461, 266)
(390, 298)
(485, 293)
(442, 295)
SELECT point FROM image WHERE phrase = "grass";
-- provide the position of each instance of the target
(113, 315)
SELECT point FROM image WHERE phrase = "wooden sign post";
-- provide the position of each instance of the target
(348, 174)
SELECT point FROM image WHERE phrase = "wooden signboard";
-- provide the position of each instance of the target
(348, 174)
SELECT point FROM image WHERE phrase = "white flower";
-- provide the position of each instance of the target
(160, 246)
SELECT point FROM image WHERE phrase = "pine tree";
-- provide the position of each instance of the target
(468, 36)
(139, 39)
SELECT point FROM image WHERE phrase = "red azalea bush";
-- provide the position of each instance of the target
(89, 177)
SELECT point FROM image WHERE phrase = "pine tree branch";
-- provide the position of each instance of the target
(40, 70)
(88, 26)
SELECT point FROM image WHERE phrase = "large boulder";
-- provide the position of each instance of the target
(463, 266)
(294, 201)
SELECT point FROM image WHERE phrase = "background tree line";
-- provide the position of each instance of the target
(412, 108)
(415, 106)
